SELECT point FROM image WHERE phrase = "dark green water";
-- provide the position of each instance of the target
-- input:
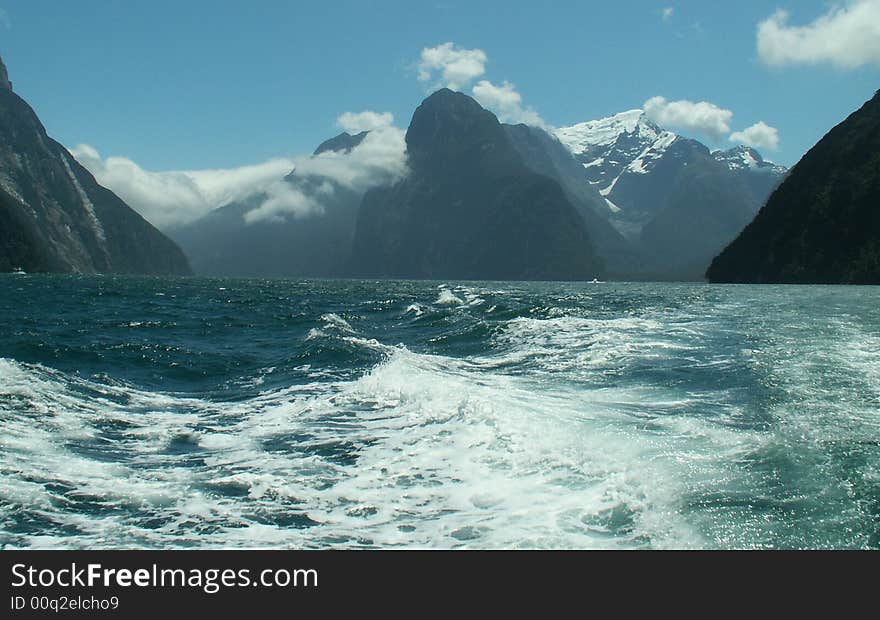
(221, 413)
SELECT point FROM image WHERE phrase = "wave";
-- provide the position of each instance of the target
(422, 451)
(448, 298)
(570, 427)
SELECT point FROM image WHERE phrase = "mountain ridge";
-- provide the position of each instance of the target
(55, 217)
(222, 243)
(470, 207)
(677, 202)
(822, 225)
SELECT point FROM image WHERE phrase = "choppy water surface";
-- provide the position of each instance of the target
(221, 413)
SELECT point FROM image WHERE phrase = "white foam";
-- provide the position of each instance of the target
(448, 298)
(452, 455)
(552, 438)
(315, 334)
(334, 321)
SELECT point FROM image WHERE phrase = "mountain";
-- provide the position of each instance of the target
(618, 150)
(822, 225)
(317, 244)
(470, 207)
(54, 217)
(544, 154)
(635, 164)
(343, 143)
(704, 209)
(677, 202)
(5, 84)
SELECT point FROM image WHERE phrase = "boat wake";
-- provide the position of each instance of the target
(569, 427)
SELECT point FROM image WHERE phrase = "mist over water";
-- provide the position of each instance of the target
(139, 412)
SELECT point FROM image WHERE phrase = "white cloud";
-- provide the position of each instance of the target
(760, 136)
(506, 102)
(457, 67)
(667, 13)
(178, 197)
(379, 159)
(283, 200)
(356, 122)
(847, 36)
(381, 155)
(702, 118)
(174, 198)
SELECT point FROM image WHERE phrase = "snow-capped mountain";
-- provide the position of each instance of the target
(634, 163)
(747, 158)
(610, 147)
(669, 195)
(629, 144)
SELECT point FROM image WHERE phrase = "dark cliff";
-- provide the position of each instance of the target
(822, 225)
(470, 207)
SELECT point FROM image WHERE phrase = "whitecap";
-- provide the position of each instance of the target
(448, 298)
(416, 309)
(334, 321)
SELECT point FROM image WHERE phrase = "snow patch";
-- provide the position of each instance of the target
(748, 159)
(614, 208)
(665, 140)
(637, 166)
(654, 152)
(610, 188)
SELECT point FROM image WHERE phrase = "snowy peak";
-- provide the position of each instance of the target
(628, 142)
(739, 158)
(631, 141)
(605, 132)
(746, 158)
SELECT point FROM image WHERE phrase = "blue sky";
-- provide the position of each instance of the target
(198, 84)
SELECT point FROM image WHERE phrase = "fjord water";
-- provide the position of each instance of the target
(139, 412)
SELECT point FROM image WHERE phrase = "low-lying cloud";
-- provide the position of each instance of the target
(847, 36)
(759, 136)
(702, 118)
(378, 160)
(170, 199)
(173, 198)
